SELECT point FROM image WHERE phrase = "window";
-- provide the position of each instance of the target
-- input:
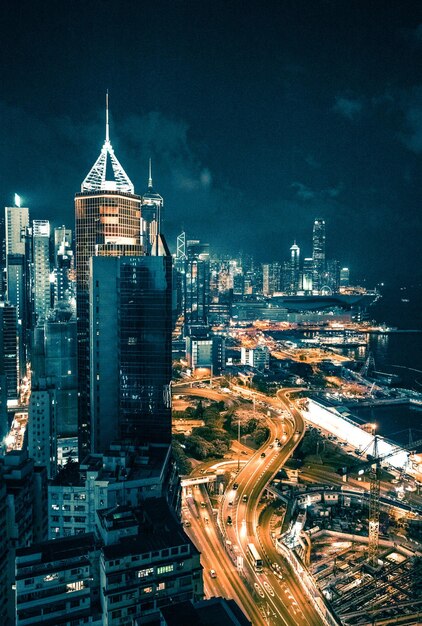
(161, 586)
(165, 569)
(147, 589)
(142, 573)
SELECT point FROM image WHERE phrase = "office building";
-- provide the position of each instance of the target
(205, 351)
(16, 226)
(54, 374)
(258, 357)
(108, 224)
(64, 270)
(42, 436)
(16, 223)
(271, 278)
(9, 356)
(130, 348)
(307, 275)
(331, 276)
(318, 253)
(344, 277)
(197, 284)
(41, 269)
(151, 215)
(295, 285)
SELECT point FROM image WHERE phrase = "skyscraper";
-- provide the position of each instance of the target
(308, 272)
(197, 284)
(18, 276)
(294, 268)
(130, 343)
(41, 269)
(107, 224)
(9, 362)
(151, 212)
(271, 277)
(318, 252)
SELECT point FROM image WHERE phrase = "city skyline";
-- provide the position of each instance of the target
(299, 112)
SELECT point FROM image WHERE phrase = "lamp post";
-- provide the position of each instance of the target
(238, 442)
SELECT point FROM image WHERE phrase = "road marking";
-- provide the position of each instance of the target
(259, 590)
(269, 588)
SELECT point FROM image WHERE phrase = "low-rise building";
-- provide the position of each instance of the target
(122, 475)
(57, 583)
(148, 562)
(138, 561)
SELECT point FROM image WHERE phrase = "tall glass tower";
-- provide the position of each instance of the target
(318, 253)
(130, 345)
(107, 224)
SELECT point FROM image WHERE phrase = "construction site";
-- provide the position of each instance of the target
(361, 547)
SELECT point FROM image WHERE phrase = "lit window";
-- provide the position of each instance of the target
(164, 569)
(142, 573)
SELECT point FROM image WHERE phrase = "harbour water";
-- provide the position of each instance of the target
(398, 353)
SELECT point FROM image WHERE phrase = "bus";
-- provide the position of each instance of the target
(254, 555)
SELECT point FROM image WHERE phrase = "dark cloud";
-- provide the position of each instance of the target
(411, 136)
(348, 107)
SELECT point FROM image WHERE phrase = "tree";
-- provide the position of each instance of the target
(184, 466)
(199, 411)
(260, 435)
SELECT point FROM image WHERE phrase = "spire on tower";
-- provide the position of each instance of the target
(107, 135)
(150, 175)
(96, 178)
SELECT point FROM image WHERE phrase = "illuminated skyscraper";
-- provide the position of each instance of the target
(294, 268)
(271, 276)
(41, 268)
(308, 272)
(197, 284)
(318, 253)
(344, 277)
(17, 274)
(107, 224)
(151, 213)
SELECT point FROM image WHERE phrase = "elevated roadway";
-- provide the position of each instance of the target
(265, 598)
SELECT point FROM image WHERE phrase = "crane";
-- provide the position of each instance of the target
(374, 464)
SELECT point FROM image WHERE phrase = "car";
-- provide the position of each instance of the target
(187, 523)
(245, 497)
(203, 505)
(229, 521)
(279, 444)
(235, 486)
(213, 573)
(263, 455)
(230, 502)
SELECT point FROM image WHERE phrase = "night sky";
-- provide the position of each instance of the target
(259, 117)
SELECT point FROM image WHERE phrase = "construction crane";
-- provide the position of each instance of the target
(368, 366)
(374, 464)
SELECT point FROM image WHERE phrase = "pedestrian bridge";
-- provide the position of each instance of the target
(198, 480)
